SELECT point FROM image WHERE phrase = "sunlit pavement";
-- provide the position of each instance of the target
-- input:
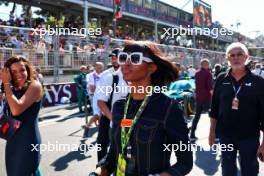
(63, 126)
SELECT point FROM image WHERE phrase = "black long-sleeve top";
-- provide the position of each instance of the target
(248, 120)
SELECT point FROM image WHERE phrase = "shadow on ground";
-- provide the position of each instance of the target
(206, 160)
(71, 107)
(48, 117)
(91, 132)
(63, 162)
(79, 115)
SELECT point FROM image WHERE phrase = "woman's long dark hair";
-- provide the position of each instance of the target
(166, 72)
(29, 68)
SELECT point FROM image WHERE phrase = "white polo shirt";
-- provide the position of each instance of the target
(92, 79)
(191, 72)
(259, 72)
(103, 90)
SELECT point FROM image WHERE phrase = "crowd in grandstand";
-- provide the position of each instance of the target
(22, 38)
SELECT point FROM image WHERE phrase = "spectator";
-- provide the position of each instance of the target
(40, 50)
(80, 81)
(93, 78)
(258, 70)
(92, 81)
(17, 42)
(23, 95)
(203, 88)
(191, 71)
(29, 45)
(110, 78)
(183, 73)
(217, 70)
(39, 76)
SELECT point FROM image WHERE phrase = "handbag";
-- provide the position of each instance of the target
(8, 124)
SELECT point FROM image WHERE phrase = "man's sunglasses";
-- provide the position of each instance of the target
(239, 55)
(135, 58)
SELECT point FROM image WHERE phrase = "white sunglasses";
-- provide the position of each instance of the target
(135, 58)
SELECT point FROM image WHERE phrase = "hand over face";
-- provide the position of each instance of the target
(5, 75)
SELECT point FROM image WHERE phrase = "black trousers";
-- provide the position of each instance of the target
(247, 149)
(200, 107)
(103, 137)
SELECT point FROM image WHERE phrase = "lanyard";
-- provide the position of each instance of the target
(236, 90)
(126, 136)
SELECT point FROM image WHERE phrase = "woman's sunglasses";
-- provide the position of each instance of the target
(135, 58)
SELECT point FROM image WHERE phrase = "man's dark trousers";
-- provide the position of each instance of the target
(247, 149)
(200, 107)
(103, 137)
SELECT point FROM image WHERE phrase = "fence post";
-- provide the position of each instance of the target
(56, 59)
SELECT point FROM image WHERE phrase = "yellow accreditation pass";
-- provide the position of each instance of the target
(121, 166)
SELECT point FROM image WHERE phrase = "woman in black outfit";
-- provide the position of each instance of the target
(148, 121)
(23, 95)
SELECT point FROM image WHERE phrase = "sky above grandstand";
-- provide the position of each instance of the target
(227, 12)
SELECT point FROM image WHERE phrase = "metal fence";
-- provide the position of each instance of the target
(70, 60)
(67, 60)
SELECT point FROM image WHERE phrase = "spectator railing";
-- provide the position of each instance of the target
(71, 60)
(67, 60)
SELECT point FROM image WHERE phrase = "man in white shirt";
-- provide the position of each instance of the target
(191, 71)
(106, 98)
(93, 78)
(105, 90)
(258, 70)
(92, 82)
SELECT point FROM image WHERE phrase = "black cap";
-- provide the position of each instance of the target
(114, 52)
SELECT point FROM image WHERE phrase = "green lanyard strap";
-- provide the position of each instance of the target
(126, 136)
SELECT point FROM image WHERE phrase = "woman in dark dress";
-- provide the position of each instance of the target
(23, 95)
(147, 124)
